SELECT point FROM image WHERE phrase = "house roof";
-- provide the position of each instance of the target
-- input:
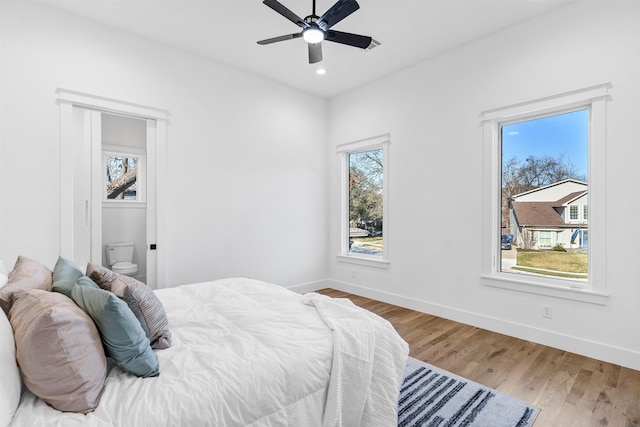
(544, 187)
(566, 200)
(538, 214)
(547, 213)
(544, 214)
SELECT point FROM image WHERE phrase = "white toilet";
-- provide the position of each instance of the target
(119, 257)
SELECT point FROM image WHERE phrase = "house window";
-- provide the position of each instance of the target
(544, 239)
(544, 163)
(574, 213)
(585, 212)
(364, 228)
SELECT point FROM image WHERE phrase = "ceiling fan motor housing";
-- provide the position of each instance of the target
(311, 19)
(313, 33)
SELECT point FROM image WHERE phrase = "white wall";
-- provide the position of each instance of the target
(247, 188)
(436, 173)
(124, 131)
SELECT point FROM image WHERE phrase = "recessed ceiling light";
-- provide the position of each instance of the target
(321, 71)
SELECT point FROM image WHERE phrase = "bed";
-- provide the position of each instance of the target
(249, 353)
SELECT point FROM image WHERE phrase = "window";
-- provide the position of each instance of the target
(585, 212)
(544, 239)
(365, 202)
(573, 213)
(124, 175)
(364, 207)
(544, 165)
(544, 171)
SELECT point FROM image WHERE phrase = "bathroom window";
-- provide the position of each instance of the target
(123, 178)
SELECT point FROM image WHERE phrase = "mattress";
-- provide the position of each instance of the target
(244, 353)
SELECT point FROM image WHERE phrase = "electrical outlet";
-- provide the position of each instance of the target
(547, 311)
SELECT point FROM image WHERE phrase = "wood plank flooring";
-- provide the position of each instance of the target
(569, 389)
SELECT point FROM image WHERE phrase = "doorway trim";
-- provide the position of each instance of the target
(66, 100)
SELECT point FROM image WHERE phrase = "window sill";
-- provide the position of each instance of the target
(124, 204)
(527, 285)
(364, 260)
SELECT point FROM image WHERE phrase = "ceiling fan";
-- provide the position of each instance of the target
(316, 28)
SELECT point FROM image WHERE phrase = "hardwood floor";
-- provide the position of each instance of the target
(569, 389)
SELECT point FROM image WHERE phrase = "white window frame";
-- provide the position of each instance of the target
(343, 150)
(594, 99)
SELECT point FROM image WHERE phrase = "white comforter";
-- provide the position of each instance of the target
(244, 353)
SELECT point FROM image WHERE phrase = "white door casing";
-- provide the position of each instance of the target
(80, 215)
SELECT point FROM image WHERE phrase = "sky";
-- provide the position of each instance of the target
(566, 134)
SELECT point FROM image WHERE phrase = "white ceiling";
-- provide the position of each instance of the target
(227, 30)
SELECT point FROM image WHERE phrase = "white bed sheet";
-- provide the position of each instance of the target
(244, 353)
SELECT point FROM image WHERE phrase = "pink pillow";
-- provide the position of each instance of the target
(10, 384)
(58, 349)
(26, 274)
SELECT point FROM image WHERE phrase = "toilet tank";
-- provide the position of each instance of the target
(119, 252)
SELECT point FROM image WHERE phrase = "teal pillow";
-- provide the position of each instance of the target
(65, 275)
(121, 333)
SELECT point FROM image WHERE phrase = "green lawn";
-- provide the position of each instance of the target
(560, 262)
(369, 243)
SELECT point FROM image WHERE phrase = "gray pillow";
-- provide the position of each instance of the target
(122, 336)
(26, 274)
(59, 350)
(65, 274)
(141, 300)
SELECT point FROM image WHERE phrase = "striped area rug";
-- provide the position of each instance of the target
(432, 397)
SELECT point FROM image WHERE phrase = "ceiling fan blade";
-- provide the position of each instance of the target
(282, 10)
(337, 13)
(355, 40)
(315, 52)
(281, 38)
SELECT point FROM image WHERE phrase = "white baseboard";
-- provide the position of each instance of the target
(309, 287)
(605, 352)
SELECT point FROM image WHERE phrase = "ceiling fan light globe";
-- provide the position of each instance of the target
(313, 35)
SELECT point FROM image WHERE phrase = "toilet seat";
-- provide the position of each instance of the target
(125, 268)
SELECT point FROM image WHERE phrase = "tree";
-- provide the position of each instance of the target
(534, 172)
(118, 186)
(121, 175)
(365, 187)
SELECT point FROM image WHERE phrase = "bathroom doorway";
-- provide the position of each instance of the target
(124, 199)
(109, 158)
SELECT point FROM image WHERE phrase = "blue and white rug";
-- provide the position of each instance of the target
(433, 397)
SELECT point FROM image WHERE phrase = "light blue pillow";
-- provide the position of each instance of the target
(121, 333)
(65, 275)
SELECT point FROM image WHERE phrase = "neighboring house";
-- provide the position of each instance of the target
(554, 214)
